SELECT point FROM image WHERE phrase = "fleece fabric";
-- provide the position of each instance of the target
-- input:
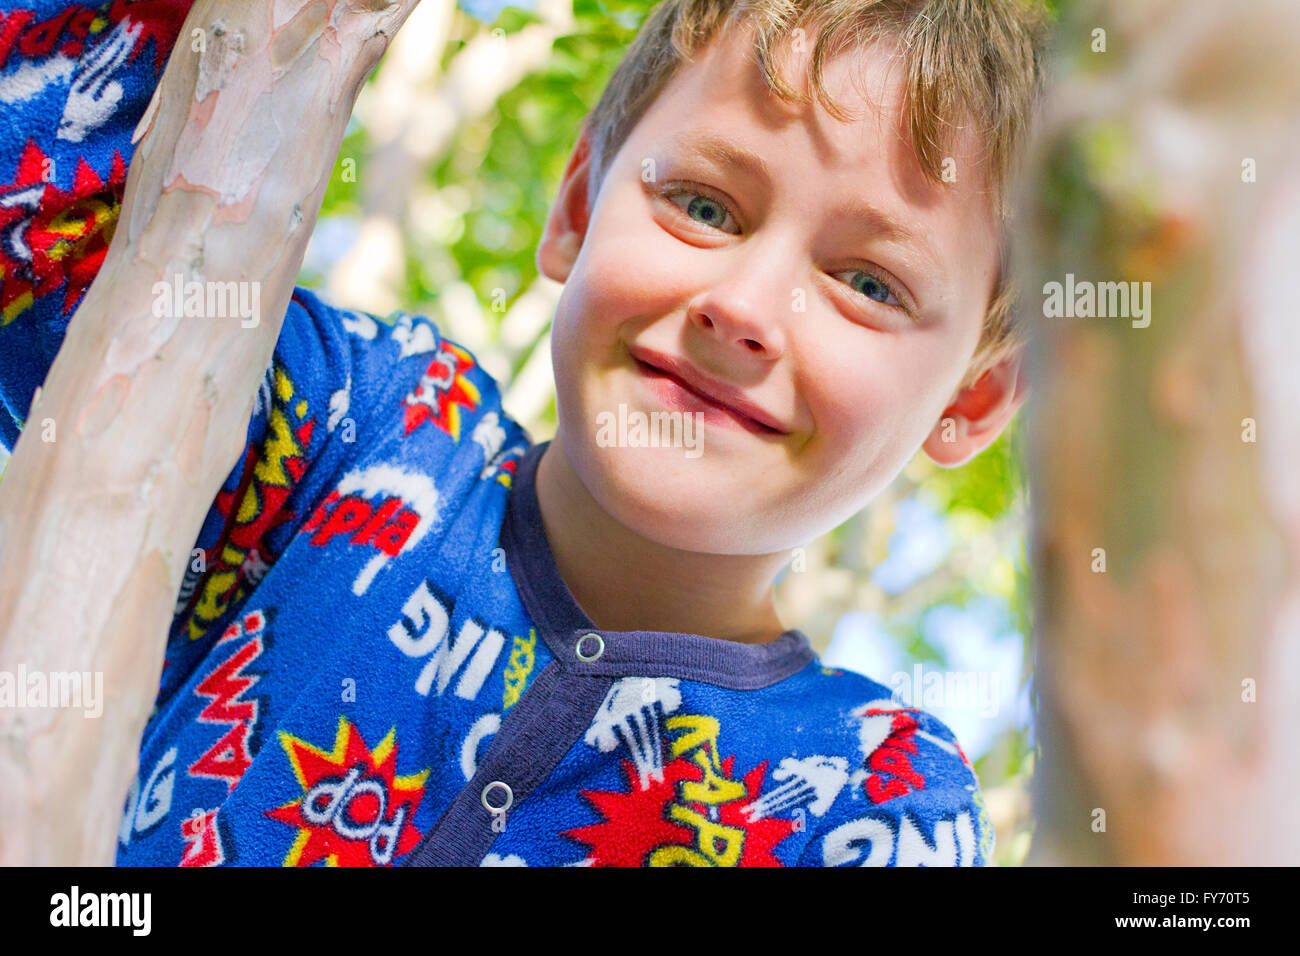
(374, 659)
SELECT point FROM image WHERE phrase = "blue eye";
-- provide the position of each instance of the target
(706, 210)
(873, 287)
(702, 208)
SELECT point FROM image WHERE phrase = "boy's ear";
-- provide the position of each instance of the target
(979, 412)
(566, 223)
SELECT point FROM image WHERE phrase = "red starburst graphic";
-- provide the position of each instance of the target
(48, 235)
(444, 389)
(354, 809)
(638, 822)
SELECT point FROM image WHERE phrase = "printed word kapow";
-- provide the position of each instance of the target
(354, 809)
(693, 814)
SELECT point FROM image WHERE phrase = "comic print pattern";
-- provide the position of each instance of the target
(444, 389)
(149, 800)
(385, 510)
(888, 759)
(354, 809)
(692, 809)
(204, 843)
(272, 471)
(54, 237)
(230, 708)
(520, 664)
(903, 840)
(51, 238)
(681, 802)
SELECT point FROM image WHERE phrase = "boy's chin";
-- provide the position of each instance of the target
(691, 503)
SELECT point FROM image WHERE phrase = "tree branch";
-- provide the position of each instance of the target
(150, 412)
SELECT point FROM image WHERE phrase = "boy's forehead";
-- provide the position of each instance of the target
(724, 85)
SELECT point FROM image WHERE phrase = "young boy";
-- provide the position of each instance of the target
(411, 635)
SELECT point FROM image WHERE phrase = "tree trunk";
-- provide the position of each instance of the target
(1164, 448)
(148, 413)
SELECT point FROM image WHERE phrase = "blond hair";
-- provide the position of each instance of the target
(963, 58)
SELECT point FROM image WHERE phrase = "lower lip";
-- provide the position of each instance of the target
(678, 398)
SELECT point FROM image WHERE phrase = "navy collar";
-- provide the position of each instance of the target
(565, 626)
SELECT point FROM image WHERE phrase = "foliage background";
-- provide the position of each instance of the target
(469, 122)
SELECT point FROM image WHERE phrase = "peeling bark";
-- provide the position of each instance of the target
(151, 412)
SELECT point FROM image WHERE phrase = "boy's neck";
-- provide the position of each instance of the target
(626, 582)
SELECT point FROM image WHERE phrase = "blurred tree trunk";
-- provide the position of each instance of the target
(1167, 678)
(150, 411)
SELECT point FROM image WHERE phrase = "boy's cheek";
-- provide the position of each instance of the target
(865, 437)
(589, 318)
(846, 414)
(873, 402)
(635, 273)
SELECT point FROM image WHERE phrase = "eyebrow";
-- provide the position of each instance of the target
(723, 152)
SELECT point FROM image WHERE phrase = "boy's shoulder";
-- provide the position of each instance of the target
(368, 437)
(398, 378)
(912, 796)
(881, 720)
(407, 410)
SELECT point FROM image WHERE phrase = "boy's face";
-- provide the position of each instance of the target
(770, 292)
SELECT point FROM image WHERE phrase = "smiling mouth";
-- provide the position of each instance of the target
(715, 408)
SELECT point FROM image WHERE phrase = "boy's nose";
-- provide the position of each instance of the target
(730, 332)
(750, 307)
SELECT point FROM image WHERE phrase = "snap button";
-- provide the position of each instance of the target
(509, 797)
(600, 647)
